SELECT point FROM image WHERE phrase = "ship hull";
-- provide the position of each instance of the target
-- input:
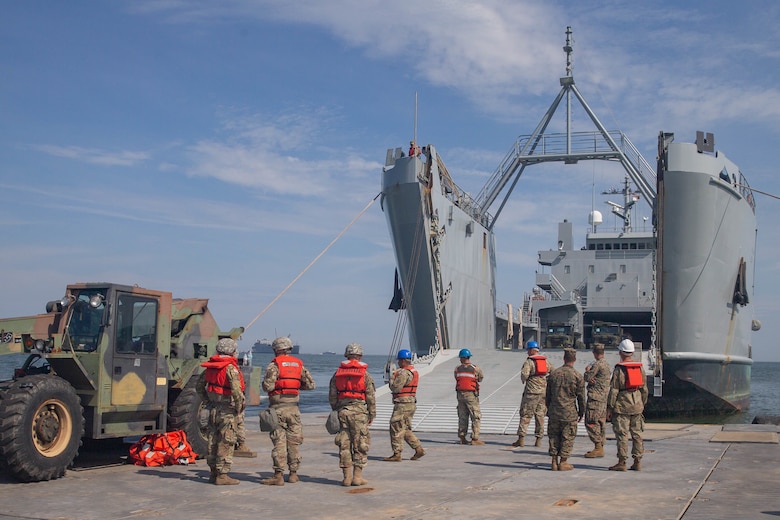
(445, 258)
(708, 254)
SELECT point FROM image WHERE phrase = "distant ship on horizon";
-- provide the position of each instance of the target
(263, 346)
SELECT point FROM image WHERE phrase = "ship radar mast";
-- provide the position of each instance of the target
(630, 198)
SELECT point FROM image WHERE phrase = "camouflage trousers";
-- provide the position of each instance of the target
(629, 425)
(287, 438)
(468, 408)
(532, 406)
(401, 427)
(353, 439)
(562, 435)
(240, 430)
(222, 438)
(596, 421)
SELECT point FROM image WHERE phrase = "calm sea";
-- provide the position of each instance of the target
(764, 399)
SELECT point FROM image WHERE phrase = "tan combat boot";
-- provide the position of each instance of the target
(418, 453)
(276, 480)
(224, 480)
(519, 442)
(477, 442)
(620, 466)
(213, 476)
(242, 450)
(395, 457)
(293, 477)
(637, 465)
(357, 479)
(564, 466)
(554, 465)
(596, 452)
(538, 442)
(347, 476)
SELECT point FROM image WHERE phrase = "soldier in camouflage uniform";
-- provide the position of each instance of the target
(352, 393)
(597, 378)
(625, 405)
(403, 385)
(467, 379)
(565, 401)
(532, 405)
(221, 386)
(284, 377)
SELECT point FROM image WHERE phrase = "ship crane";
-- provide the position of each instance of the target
(569, 148)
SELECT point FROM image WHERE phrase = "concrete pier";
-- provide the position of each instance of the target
(689, 471)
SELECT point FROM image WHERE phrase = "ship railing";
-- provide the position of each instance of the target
(459, 197)
(569, 148)
(744, 189)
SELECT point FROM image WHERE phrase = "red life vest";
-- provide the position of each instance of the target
(540, 365)
(411, 386)
(633, 371)
(466, 378)
(289, 380)
(351, 379)
(216, 374)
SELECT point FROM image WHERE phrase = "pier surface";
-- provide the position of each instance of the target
(689, 471)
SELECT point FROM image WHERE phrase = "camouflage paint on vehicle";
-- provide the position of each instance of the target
(128, 353)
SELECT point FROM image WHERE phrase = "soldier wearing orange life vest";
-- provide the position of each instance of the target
(221, 385)
(403, 385)
(467, 379)
(284, 378)
(625, 405)
(353, 394)
(534, 374)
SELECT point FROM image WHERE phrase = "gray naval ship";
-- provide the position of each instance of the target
(682, 290)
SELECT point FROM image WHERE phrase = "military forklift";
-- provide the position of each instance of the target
(105, 361)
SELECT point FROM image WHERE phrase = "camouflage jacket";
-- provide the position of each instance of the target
(534, 384)
(398, 380)
(597, 379)
(627, 402)
(565, 398)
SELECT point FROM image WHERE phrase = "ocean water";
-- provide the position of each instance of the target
(764, 386)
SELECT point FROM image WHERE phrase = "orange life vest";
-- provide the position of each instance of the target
(289, 380)
(351, 379)
(540, 365)
(633, 371)
(466, 378)
(411, 386)
(161, 449)
(216, 374)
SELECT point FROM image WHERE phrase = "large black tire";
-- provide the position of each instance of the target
(188, 413)
(41, 426)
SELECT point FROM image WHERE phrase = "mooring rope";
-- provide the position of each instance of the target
(313, 262)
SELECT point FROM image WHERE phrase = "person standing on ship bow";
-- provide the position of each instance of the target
(352, 392)
(284, 377)
(467, 379)
(625, 405)
(534, 374)
(403, 385)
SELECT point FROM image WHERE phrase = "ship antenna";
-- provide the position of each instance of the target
(568, 49)
(415, 117)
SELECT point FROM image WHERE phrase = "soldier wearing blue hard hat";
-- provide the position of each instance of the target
(467, 379)
(403, 385)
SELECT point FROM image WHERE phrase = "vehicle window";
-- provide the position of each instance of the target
(136, 324)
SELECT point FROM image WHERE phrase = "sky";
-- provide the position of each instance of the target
(215, 149)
